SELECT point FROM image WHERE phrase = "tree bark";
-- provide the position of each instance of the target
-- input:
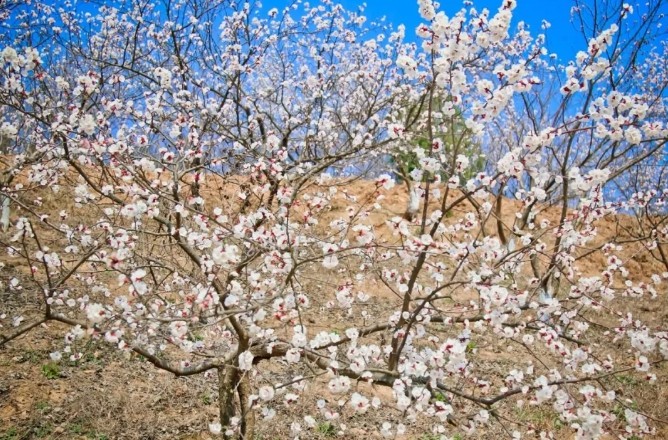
(4, 218)
(247, 411)
(228, 379)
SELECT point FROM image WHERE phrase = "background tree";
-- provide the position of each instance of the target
(454, 141)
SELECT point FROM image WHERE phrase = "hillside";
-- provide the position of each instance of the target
(107, 394)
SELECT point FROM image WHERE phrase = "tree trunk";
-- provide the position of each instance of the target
(413, 203)
(4, 217)
(247, 412)
(228, 379)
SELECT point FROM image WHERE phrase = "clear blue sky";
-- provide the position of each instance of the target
(563, 38)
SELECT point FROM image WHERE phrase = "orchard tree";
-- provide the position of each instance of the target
(453, 142)
(208, 149)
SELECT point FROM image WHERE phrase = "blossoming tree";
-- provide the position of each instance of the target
(209, 148)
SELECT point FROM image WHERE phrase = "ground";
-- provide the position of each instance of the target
(112, 395)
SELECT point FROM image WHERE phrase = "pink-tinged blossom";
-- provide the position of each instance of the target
(339, 385)
(225, 255)
(395, 131)
(385, 181)
(97, 313)
(330, 260)
(359, 403)
(363, 234)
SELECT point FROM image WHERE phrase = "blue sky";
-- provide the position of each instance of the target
(562, 37)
